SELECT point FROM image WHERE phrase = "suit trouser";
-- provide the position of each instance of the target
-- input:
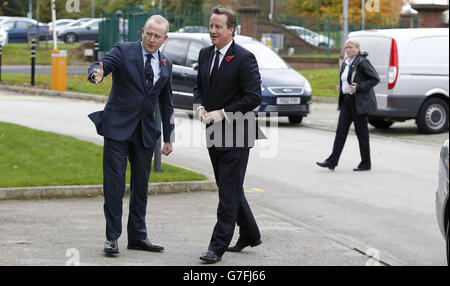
(229, 170)
(115, 156)
(346, 117)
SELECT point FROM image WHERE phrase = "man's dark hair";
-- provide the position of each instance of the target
(231, 16)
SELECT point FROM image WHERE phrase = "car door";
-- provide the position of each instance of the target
(175, 50)
(21, 31)
(91, 32)
(9, 28)
(190, 78)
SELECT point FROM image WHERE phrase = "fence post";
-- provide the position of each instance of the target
(329, 37)
(1, 48)
(96, 51)
(157, 151)
(33, 56)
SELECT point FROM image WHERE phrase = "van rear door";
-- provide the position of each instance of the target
(379, 50)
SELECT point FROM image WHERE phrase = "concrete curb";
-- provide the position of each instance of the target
(65, 192)
(47, 92)
(102, 98)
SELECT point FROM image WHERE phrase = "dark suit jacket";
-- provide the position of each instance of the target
(366, 78)
(130, 102)
(236, 89)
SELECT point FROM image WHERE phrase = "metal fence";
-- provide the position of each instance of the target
(108, 32)
(324, 33)
(127, 25)
(177, 20)
(286, 34)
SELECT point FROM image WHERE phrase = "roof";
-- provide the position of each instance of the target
(402, 32)
(429, 2)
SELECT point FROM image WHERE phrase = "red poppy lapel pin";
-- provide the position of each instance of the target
(229, 58)
(164, 62)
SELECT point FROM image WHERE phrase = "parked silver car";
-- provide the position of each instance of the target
(312, 37)
(442, 204)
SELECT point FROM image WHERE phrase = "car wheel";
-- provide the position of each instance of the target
(295, 119)
(380, 122)
(448, 246)
(70, 38)
(433, 116)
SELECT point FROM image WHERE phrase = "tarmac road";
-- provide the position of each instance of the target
(388, 212)
(63, 232)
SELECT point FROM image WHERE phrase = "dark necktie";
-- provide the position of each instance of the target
(148, 72)
(215, 67)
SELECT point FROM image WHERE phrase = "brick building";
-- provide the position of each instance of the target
(431, 13)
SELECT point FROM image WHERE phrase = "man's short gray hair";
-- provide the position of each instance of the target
(158, 19)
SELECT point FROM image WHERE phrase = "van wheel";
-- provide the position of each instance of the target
(294, 119)
(380, 122)
(433, 116)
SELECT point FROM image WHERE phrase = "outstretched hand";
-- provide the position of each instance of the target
(98, 73)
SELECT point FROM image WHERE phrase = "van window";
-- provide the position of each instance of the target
(420, 53)
(175, 50)
(379, 50)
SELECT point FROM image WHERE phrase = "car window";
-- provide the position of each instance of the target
(22, 25)
(77, 24)
(192, 54)
(63, 23)
(94, 25)
(9, 24)
(266, 58)
(175, 50)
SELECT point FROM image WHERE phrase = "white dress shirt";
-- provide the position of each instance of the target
(344, 76)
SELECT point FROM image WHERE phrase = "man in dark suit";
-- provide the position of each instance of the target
(228, 89)
(141, 80)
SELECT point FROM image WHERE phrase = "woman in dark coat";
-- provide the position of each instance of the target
(356, 100)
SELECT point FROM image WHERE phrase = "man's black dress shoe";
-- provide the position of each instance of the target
(362, 169)
(111, 247)
(145, 245)
(241, 245)
(326, 165)
(210, 257)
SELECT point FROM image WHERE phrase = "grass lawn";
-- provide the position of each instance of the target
(74, 82)
(323, 81)
(35, 158)
(20, 54)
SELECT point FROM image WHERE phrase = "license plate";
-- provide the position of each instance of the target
(288, 100)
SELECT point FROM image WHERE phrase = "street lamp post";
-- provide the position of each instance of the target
(345, 27)
(363, 13)
(271, 11)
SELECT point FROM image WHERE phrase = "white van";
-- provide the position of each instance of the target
(413, 65)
